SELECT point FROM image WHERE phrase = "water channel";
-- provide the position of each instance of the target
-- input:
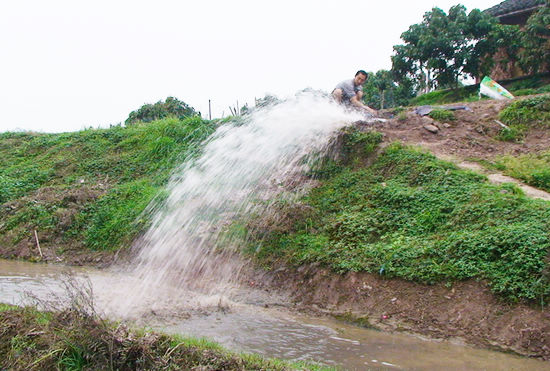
(253, 322)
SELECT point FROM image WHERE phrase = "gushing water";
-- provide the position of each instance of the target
(243, 165)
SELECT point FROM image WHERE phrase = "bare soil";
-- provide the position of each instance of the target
(470, 136)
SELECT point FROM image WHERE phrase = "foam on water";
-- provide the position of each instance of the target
(243, 164)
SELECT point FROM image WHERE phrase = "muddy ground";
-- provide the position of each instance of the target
(465, 312)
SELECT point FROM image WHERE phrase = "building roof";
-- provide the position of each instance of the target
(513, 7)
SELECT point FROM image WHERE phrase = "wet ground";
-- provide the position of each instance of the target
(256, 322)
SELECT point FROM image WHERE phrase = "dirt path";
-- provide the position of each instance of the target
(470, 137)
(498, 178)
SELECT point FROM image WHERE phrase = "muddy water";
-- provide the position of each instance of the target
(254, 322)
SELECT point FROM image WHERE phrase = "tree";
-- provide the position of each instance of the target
(381, 91)
(443, 48)
(536, 41)
(171, 107)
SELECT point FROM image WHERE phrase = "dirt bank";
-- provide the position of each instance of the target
(471, 135)
(464, 311)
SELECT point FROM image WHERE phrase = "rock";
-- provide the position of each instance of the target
(431, 128)
(427, 120)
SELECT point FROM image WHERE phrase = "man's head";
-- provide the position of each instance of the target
(360, 77)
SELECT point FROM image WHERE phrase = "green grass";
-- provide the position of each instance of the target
(534, 111)
(442, 115)
(533, 169)
(412, 216)
(89, 188)
(73, 340)
(524, 114)
(445, 96)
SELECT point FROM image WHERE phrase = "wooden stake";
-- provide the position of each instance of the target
(501, 124)
(38, 244)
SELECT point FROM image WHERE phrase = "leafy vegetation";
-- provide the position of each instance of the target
(172, 107)
(532, 169)
(412, 216)
(381, 91)
(72, 340)
(442, 115)
(437, 52)
(531, 111)
(444, 47)
(524, 114)
(535, 40)
(89, 188)
(537, 84)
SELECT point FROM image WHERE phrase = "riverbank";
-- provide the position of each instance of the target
(76, 339)
(485, 286)
(467, 312)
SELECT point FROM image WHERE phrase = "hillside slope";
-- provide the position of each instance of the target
(393, 237)
(458, 244)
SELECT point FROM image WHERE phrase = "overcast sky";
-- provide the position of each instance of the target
(69, 65)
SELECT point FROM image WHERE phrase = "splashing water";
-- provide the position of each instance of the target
(243, 165)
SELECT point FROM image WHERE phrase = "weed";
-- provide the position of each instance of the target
(71, 340)
(532, 169)
(512, 134)
(402, 116)
(91, 186)
(530, 112)
(442, 115)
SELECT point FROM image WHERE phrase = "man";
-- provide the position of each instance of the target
(350, 92)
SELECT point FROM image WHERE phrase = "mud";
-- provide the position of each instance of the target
(466, 311)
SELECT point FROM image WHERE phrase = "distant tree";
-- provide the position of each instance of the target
(503, 42)
(171, 107)
(443, 48)
(536, 41)
(381, 91)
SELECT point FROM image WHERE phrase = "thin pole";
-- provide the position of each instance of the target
(209, 110)
(38, 244)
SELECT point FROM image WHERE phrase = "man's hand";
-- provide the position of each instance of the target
(370, 110)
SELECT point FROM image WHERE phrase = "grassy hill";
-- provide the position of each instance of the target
(407, 214)
(388, 210)
(84, 191)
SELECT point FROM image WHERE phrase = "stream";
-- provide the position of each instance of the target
(252, 321)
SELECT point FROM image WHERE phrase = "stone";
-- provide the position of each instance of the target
(431, 128)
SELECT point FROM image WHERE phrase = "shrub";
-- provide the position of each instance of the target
(171, 107)
(442, 115)
(530, 112)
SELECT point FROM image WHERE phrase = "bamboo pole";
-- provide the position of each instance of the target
(38, 244)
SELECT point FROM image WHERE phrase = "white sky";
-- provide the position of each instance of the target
(69, 65)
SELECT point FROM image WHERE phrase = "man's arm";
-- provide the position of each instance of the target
(356, 101)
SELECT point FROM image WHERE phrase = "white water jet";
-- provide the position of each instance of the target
(242, 164)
